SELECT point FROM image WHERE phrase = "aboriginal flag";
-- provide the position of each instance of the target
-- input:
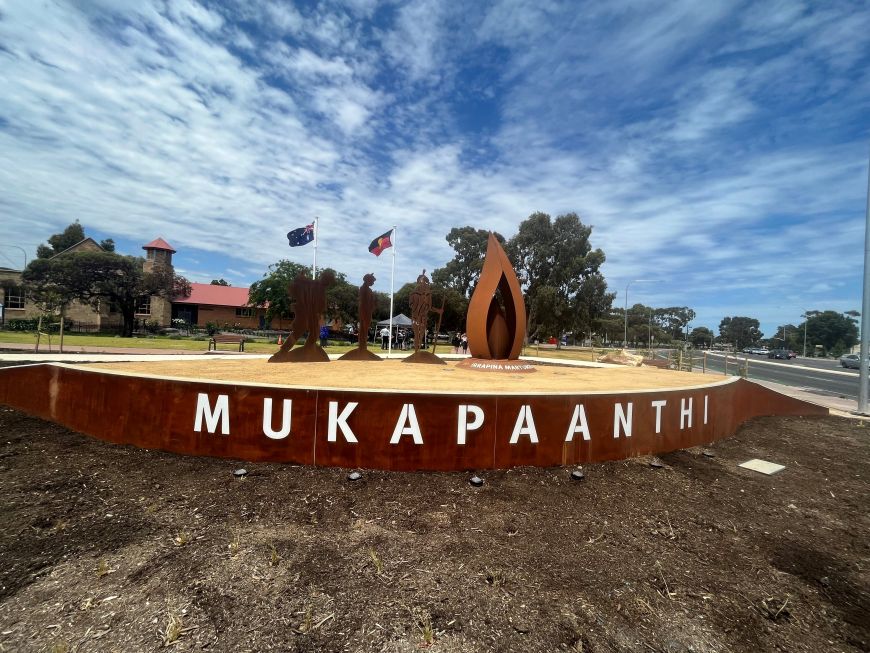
(381, 243)
(301, 236)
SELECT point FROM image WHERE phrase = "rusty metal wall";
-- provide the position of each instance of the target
(162, 414)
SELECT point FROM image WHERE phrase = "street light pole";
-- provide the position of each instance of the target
(806, 319)
(22, 251)
(865, 314)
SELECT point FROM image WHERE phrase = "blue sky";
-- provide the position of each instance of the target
(720, 149)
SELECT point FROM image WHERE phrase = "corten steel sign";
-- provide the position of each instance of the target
(386, 429)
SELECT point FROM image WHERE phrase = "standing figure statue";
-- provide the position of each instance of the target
(366, 308)
(421, 306)
(310, 304)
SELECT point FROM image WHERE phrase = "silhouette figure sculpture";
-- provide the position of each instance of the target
(310, 303)
(366, 307)
(421, 306)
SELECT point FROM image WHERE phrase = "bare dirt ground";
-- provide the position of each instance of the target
(385, 375)
(110, 548)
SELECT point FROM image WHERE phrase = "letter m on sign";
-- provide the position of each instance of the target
(220, 412)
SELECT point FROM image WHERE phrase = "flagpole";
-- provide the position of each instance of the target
(392, 275)
(314, 264)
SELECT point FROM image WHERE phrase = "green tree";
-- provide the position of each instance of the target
(74, 233)
(98, 277)
(701, 337)
(559, 271)
(836, 332)
(463, 270)
(741, 331)
(342, 298)
(108, 245)
(219, 282)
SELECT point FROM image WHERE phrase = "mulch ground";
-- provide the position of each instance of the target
(110, 548)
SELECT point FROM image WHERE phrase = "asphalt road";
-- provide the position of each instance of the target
(816, 375)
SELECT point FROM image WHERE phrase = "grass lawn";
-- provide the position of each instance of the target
(73, 341)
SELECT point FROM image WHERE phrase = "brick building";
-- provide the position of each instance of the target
(226, 306)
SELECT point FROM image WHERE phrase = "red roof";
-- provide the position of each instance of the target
(206, 293)
(159, 243)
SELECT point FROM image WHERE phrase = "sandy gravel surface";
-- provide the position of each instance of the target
(385, 375)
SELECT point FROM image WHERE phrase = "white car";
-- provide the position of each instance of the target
(850, 361)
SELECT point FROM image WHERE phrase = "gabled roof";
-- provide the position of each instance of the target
(88, 244)
(206, 293)
(159, 243)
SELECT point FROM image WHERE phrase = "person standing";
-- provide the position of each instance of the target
(385, 338)
(464, 343)
(456, 342)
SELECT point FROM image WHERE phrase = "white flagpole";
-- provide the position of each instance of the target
(392, 275)
(314, 264)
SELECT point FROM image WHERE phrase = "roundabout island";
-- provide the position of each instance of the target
(392, 416)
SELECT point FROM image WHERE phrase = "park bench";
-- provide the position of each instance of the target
(221, 338)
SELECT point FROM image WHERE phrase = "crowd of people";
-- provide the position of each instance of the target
(405, 340)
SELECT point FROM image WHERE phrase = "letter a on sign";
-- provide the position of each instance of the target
(525, 425)
(407, 425)
(578, 424)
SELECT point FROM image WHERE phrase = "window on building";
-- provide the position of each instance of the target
(144, 305)
(244, 312)
(14, 297)
(150, 254)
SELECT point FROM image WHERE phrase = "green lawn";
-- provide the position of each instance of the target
(73, 341)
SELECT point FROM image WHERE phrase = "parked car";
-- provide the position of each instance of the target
(792, 354)
(782, 354)
(761, 351)
(850, 361)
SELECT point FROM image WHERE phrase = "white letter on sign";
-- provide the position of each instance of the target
(285, 419)
(621, 419)
(221, 412)
(340, 421)
(685, 413)
(408, 415)
(525, 425)
(658, 406)
(578, 424)
(464, 425)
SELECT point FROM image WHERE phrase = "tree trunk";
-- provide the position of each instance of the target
(128, 313)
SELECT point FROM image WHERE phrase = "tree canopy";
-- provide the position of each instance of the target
(742, 331)
(97, 277)
(342, 298)
(463, 270)
(836, 332)
(560, 274)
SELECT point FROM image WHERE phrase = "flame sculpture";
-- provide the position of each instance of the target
(493, 333)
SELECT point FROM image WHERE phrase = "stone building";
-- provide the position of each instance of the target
(225, 306)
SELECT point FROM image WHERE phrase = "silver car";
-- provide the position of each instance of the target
(850, 361)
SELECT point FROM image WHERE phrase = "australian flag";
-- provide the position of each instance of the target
(301, 236)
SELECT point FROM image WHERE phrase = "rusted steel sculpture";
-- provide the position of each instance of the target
(310, 297)
(366, 306)
(421, 306)
(496, 320)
